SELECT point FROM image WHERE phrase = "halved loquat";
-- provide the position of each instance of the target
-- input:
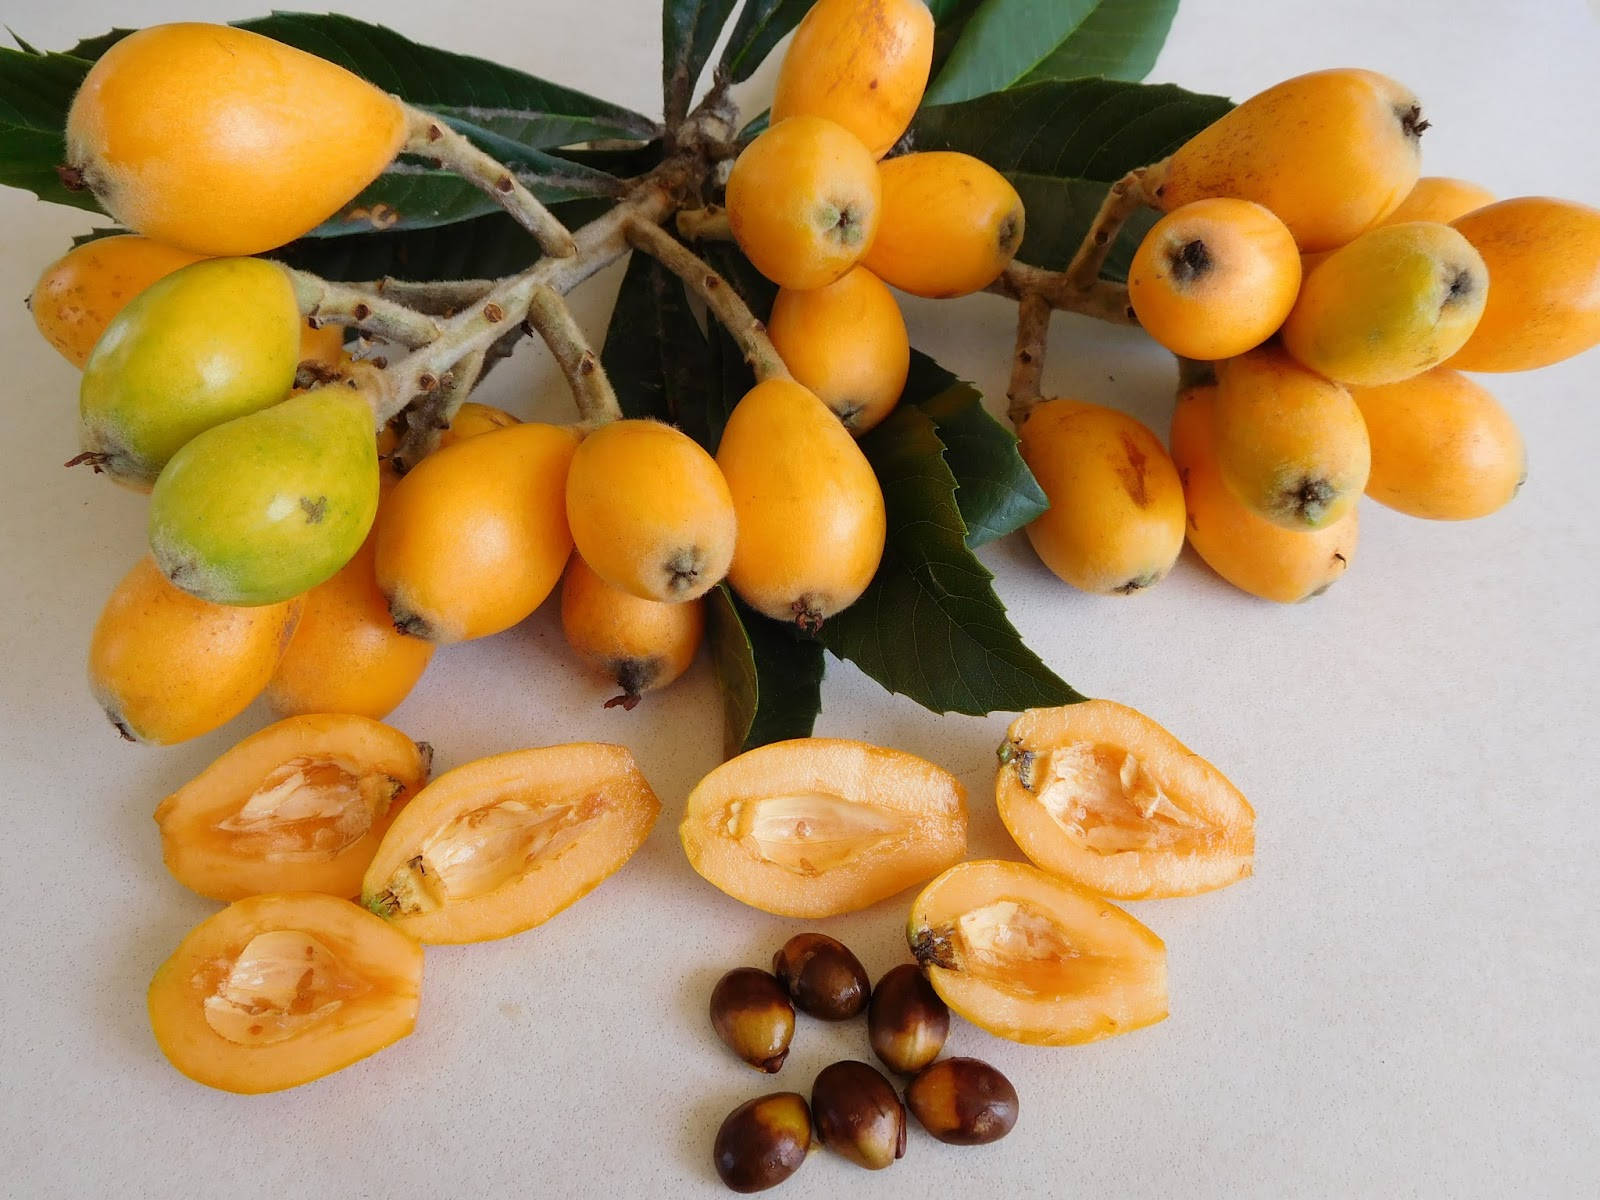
(300, 806)
(1034, 959)
(275, 991)
(504, 843)
(816, 827)
(1101, 795)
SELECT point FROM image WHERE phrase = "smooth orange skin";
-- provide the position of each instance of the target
(571, 773)
(1291, 445)
(1228, 849)
(78, 294)
(207, 860)
(167, 667)
(385, 957)
(1440, 198)
(861, 63)
(650, 511)
(1249, 551)
(1243, 294)
(929, 799)
(1327, 152)
(221, 141)
(1442, 447)
(1544, 283)
(847, 342)
(951, 223)
(475, 537)
(346, 656)
(1131, 993)
(804, 202)
(1115, 522)
(811, 515)
(324, 346)
(1395, 302)
(641, 645)
(473, 418)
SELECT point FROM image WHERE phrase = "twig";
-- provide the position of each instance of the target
(730, 310)
(1102, 300)
(1127, 196)
(430, 137)
(328, 303)
(1027, 364)
(708, 224)
(549, 315)
(440, 298)
(425, 422)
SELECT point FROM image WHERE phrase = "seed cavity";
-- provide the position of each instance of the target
(283, 983)
(812, 832)
(311, 810)
(1110, 802)
(1018, 947)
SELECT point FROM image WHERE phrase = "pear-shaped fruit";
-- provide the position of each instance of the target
(212, 341)
(269, 505)
(810, 511)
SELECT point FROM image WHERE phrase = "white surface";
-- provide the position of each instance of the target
(1401, 1002)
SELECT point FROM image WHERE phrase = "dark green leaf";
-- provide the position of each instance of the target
(92, 48)
(762, 24)
(655, 354)
(771, 680)
(930, 626)
(35, 92)
(1063, 143)
(1120, 39)
(22, 43)
(689, 30)
(730, 376)
(950, 17)
(995, 491)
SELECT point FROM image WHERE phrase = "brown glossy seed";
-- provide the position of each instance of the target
(763, 1142)
(859, 1114)
(964, 1102)
(753, 1017)
(822, 977)
(907, 1023)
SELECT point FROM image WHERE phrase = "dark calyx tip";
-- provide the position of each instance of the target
(1462, 285)
(807, 615)
(627, 702)
(1413, 122)
(1313, 497)
(1009, 233)
(1190, 261)
(932, 948)
(411, 625)
(122, 728)
(72, 178)
(93, 459)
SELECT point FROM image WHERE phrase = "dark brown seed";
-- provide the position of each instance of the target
(859, 1115)
(753, 1017)
(907, 1023)
(763, 1142)
(822, 977)
(964, 1102)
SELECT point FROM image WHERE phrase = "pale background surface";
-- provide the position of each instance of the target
(1401, 1002)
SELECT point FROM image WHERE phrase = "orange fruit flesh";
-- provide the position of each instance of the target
(1034, 959)
(1103, 796)
(275, 991)
(298, 807)
(816, 827)
(504, 843)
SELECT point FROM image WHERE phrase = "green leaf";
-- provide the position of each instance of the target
(35, 93)
(929, 625)
(655, 355)
(22, 43)
(771, 680)
(1063, 143)
(762, 24)
(92, 48)
(995, 491)
(689, 30)
(1120, 39)
(730, 376)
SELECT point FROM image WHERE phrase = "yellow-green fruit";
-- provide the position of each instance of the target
(1215, 278)
(222, 141)
(650, 511)
(1440, 198)
(1249, 551)
(210, 342)
(811, 515)
(267, 506)
(1393, 303)
(1290, 444)
(1332, 153)
(1115, 522)
(847, 343)
(1544, 271)
(1442, 447)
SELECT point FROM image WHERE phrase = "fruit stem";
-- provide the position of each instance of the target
(726, 305)
(1027, 364)
(439, 298)
(553, 320)
(328, 303)
(429, 137)
(1102, 300)
(425, 422)
(1138, 188)
(708, 224)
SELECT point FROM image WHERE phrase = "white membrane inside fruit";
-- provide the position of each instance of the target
(811, 832)
(1107, 800)
(310, 810)
(1020, 948)
(283, 983)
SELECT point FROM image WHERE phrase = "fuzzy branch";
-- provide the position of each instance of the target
(425, 422)
(327, 303)
(1027, 364)
(549, 315)
(1135, 190)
